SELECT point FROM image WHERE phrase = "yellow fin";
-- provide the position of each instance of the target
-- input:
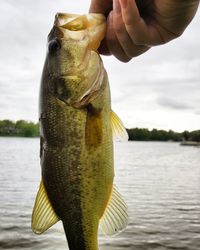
(118, 129)
(43, 216)
(93, 130)
(115, 217)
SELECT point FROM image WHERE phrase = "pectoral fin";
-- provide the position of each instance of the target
(93, 130)
(115, 217)
(118, 129)
(43, 216)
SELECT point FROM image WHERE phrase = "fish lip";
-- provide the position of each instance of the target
(97, 17)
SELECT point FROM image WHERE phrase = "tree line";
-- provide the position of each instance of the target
(31, 129)
(143, 134)
(19, 128)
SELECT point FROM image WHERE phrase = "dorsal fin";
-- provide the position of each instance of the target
(118, 129)
(115, 217)
(43, 216)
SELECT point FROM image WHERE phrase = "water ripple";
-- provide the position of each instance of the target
(159, 181)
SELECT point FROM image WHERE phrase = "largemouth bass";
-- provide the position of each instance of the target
(76, 134)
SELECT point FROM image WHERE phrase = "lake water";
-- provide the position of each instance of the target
(159, 181)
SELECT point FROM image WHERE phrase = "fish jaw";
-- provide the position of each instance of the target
(92, 25)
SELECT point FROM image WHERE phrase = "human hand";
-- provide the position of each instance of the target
(133, 26)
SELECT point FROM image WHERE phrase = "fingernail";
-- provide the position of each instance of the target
(123, 3)
(117, 7)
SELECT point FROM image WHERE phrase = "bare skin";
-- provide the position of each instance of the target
(134, 26)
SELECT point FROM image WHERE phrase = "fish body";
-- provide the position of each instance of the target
(76, 135)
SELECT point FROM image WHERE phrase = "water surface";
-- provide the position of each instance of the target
(159, 181)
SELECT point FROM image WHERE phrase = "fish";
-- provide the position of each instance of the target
(77, 127)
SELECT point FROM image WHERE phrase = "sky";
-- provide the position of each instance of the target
(159, 89)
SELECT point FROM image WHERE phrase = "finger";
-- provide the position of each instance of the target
(128, 46)
(113, 43)
(104, 7)
(101, 6)
(140, 32)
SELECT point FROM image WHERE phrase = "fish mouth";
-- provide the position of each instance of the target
(78, 26)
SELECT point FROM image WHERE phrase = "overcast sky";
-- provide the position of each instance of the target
(160, 89)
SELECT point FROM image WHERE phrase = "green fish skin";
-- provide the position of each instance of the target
(76, 133)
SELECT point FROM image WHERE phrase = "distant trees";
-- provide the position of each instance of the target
(139, 134)
(143, 134)
(19, 128)
(31, 129)
(195, 136)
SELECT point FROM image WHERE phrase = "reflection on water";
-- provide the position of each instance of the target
(159, 181)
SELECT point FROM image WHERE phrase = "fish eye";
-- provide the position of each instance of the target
(54, 45)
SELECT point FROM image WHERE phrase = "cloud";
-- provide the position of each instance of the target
(173, 104)
(157, 89)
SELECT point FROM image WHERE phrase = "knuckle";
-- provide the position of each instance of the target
(123, 58)
(128, 20)
(118, 24)
(119, 29)
(136, 53)
(178, 34)
(132, 53)
(137, 37)
(110, 38)
(138, 40)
